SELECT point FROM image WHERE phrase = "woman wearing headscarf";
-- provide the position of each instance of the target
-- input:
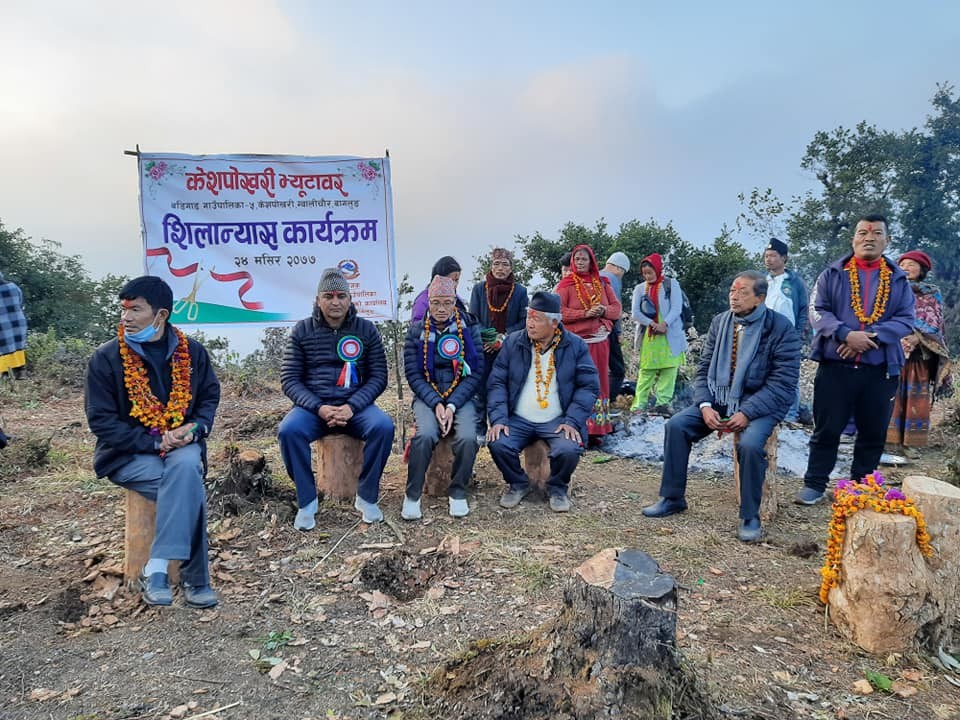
(926, 373)
(656, 308)
(448, 267)
(500, 304)
(13, 328)
(589, 307)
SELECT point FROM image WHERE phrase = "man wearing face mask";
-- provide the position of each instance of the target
(150, 398)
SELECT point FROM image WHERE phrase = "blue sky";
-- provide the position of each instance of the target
(501, 118)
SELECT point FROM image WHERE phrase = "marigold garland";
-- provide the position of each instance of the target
(538, 380)
(145, 406)
(587, 299)
(870, 494)
(426, 338)
(879, 302)
(506, 302)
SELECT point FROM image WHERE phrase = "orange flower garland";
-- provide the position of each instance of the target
(587, 299)
(870, 495)
(146, 407)
(883, 292)
(426, 337)
(538, 380)
(506, 302)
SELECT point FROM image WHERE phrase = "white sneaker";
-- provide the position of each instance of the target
(411, 509)
(305, 517)
(459, 508)
(370, 512)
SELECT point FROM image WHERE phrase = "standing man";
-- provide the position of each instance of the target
(617, 266)
(150, 398)
(745, 382)
(543, 386)
(862, 306)
(443, 362)
(499, 302)
(787, 295)
(334, 368)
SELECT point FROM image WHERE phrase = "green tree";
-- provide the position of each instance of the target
(58, 292)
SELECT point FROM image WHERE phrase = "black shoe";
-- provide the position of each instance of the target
(750, 531)
(664, 507)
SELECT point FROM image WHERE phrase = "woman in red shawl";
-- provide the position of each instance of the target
(589, 306)
(926, 373)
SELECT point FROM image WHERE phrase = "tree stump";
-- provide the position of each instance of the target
(940, 504)
(768, 502)
(611, 652)
(536, 463)
(141, 521)
(440, 470)
(339, 461)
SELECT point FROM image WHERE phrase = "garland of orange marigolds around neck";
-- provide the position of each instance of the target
(588, 299)
(145, 406)
(538, 381)
(444, 394)
(870, 494)
(506, 302)
(879, 302)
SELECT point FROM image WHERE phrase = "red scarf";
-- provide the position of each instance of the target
(653, 289)
(592, 273)
(497, 293)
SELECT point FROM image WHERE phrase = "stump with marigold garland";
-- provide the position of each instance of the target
(886, 576)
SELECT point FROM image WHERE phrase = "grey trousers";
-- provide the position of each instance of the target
(465, 446)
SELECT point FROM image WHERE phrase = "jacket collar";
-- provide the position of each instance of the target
(322, 321)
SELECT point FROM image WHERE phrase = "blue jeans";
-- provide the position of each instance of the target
(564, 454)
(687, 427)
(175, 483)
(428, 435)
(301, 427)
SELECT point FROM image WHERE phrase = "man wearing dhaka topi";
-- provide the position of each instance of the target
(543, 386)
(861, 307)
(334, 368)
(151, 395)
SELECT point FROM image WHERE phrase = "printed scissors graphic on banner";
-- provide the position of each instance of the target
(189, 303)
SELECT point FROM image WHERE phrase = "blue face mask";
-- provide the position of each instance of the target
(142, 336)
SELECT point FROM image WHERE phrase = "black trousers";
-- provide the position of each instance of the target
(842, 391)
(617, 368)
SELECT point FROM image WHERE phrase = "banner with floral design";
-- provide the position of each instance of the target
(244, 238)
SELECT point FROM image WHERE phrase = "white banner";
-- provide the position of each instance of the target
(244, 238)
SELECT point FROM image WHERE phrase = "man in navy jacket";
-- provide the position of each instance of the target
(334, 368)
(745, 383)
(862, 306)
(543, 386)
(156, 446)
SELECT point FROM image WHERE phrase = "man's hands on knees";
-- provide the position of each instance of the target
(570, 433)
(737, 423)
(444, 415)
(177, 438)
(493, 434)
(712, 418)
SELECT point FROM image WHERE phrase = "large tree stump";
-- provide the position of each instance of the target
(141, 521)
(440, 470)
(883, 583)
(339, 461)
(940, 504)
(536, 463)
(768, 502)
(611, 652)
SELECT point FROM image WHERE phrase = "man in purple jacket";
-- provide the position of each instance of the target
(861, 306)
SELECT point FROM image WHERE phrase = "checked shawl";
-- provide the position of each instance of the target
(13, 323)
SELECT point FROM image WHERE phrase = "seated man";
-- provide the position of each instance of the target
(745, 383)
(334, 368)
(543, 386)
(150, 396)
(443, 362)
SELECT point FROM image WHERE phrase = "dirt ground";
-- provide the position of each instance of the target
(350, 620)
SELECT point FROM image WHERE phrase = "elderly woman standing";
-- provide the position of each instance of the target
(589, 308)
(926, 372)
(500, 304)
(13, 328)
(656, 308)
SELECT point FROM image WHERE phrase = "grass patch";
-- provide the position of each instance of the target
(786, 599)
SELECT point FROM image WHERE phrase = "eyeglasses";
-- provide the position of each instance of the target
(443, 304)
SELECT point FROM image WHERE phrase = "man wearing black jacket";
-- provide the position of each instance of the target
(334, 369)
(150, 399)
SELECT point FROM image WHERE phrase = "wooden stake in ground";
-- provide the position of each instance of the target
(610, 652)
